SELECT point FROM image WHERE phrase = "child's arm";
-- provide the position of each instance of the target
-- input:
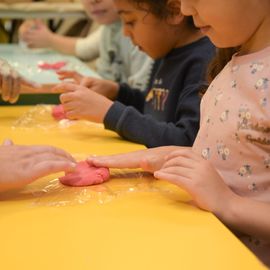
(133, 125)
(37, 35)
(110, 89)
(128, 121)
(175, 123)
(149, 159)
(103, 87)
(248, 216)
(145, 129)
(197, 176)
(87, 48)
(21, 165)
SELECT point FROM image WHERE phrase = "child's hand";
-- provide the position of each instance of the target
(37, 35)
(105, 88)
(11, 82)
(21, 165)
(81, 103)
(198, 177)
(149, 159)
(74, 76)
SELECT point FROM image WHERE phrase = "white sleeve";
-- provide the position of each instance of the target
(141, 66)
(88, 48)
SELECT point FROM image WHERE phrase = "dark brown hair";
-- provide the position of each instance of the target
(220, 60)
(160, 8)
(222, 57)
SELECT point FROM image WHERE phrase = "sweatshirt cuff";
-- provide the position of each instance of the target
(113, 115)
(123, 91)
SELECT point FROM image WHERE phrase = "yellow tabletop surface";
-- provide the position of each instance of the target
(131, 222)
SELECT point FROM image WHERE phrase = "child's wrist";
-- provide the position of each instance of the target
(228, 208)
(104, 109)
(115, 90)
(52, 41)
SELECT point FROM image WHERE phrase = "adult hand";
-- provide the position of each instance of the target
(21, 165)
(11, 82)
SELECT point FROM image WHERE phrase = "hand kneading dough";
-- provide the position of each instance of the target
(85, 175)
(58, 112)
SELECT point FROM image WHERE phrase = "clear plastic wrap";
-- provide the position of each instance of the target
(121, 183)
(49, 192)
(40, 116)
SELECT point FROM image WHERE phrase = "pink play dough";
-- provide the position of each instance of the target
(85, 175)
(51, 66)
(58, 112)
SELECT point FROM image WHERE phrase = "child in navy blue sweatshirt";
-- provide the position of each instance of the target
(168, 112)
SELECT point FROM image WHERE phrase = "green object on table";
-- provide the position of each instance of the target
(33, 99)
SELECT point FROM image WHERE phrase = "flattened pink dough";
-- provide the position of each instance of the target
(85, 175)
(52, 66)
(58, 112)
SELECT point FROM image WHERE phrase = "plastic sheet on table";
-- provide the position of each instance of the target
(40, 116)
(49, 192)
(122, 183)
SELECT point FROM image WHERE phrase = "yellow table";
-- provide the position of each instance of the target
(131, 222)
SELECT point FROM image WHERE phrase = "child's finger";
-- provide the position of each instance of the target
(72, 114)
(16, 85)
(179, 180)
(64, 87)
(151, 164)
(114, 161)
(66, 74)
(88, 82)
(6, 87)
(66, 97)
(179, 161)
(183, 152)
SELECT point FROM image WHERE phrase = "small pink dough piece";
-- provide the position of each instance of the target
(58, 112)
(85, 175)
(52, 66)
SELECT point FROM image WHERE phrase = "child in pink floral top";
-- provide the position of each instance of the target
(227, 171)
(234, 133)
(235, 125)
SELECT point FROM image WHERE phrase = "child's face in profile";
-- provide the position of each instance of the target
(151, 34)
(228, 23)
(101, 11)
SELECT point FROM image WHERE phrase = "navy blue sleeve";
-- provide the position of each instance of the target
(131, 97)
(182, 124)
(144, 129)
